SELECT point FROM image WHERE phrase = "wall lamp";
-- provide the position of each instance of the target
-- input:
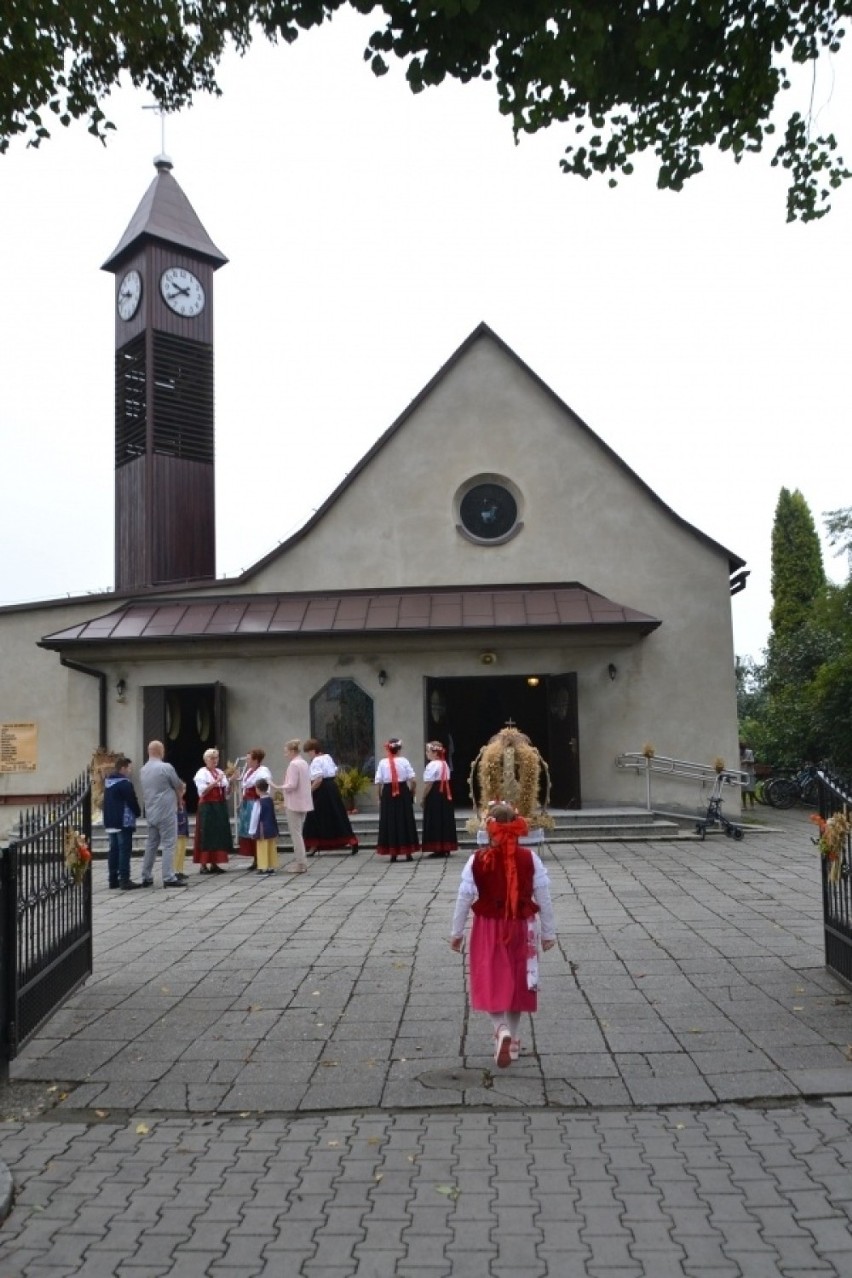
(533, 681)
(612, 670)
(121, 688)
(383, 678)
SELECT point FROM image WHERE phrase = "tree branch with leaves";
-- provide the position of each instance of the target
(672, 77)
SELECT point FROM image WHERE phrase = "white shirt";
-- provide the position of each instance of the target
(322, 765)
(204, 778)
(434, 770)
(252, 776)
(404, 771)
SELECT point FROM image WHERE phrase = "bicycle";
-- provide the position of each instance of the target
(786, 792)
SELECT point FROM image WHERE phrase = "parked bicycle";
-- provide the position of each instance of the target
(786, 792)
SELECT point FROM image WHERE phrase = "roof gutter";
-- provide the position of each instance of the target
(102, 694)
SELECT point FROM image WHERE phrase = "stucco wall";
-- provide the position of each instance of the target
(586, 519)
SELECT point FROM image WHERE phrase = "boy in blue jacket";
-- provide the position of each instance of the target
(121, 808)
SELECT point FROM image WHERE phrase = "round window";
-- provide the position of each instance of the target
(488, 511)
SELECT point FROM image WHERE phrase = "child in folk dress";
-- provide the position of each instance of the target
(508, 889)
(263, 828)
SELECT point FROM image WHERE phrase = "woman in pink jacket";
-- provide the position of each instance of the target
(298, 803)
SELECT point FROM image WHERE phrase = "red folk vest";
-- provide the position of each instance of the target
(489, 875)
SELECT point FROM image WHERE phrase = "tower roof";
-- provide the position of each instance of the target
(165, 214)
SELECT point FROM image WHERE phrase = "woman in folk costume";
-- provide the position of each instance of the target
(213, 843)
(439, 815)
(255, 770)
(328, 826)
(397, 782)
(508, 889)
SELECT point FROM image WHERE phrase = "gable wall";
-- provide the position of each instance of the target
(586, 519)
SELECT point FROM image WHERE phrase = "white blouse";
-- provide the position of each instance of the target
(322, 765)
(434, 770)
(404, 771)
(260, 773)
(204, 778)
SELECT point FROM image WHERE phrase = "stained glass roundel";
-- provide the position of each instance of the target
(488, 511)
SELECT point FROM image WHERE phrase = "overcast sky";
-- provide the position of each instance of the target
(369, 231)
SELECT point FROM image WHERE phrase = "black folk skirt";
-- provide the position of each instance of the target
(328, 826)
(439, 823)
(397, 826)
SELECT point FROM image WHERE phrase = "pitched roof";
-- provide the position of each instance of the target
(420, 611)
(165, 214)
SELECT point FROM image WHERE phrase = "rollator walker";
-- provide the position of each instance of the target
(714, 817)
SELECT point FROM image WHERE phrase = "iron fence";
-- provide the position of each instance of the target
(835, 798)
(45, 918)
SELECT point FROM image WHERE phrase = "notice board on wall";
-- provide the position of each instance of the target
(18, 747)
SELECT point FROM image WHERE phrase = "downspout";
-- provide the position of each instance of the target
(102, 694)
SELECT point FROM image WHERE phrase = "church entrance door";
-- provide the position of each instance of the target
(463, 714)
(188, 719)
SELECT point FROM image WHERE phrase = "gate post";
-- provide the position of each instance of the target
(8, 952)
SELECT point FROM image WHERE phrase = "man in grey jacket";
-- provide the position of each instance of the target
(161, 790)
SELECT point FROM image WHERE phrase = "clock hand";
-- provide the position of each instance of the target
(178, 289)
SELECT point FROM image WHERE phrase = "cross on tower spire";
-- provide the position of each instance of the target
(161, 160)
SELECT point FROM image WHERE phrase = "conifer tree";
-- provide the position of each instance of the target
(798, 575)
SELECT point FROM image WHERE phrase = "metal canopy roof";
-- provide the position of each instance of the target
(560, 607)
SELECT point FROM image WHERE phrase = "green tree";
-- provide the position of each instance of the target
(673, 77)
(838, 525)
(798, 574)
(796, 706)
(831, 688)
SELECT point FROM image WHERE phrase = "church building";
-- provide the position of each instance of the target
(529, 576)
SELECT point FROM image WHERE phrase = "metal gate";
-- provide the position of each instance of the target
(45, 918)
(835, 799)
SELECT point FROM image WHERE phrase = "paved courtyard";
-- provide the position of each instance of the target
(282, 1077)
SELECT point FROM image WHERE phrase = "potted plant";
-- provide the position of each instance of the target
(352, 782)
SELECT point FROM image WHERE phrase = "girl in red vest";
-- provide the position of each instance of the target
(508, 889)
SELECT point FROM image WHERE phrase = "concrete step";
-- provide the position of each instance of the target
(585, 825)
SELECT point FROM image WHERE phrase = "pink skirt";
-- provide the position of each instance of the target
(498, 969)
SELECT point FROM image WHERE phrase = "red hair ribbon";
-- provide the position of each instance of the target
(503, 845)
(392, 766)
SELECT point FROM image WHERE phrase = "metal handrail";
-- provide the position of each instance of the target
(683, 768)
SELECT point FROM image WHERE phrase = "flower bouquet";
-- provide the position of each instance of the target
(832, 833)
(77, 855)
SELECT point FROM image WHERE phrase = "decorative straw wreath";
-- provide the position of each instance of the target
(509, 770)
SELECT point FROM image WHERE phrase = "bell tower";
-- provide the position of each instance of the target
(165, 530)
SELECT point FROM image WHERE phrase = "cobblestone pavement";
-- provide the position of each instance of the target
(717, 1192)
(281, 1077)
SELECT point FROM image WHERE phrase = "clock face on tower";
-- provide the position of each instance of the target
(129, 295)
(182, 291)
